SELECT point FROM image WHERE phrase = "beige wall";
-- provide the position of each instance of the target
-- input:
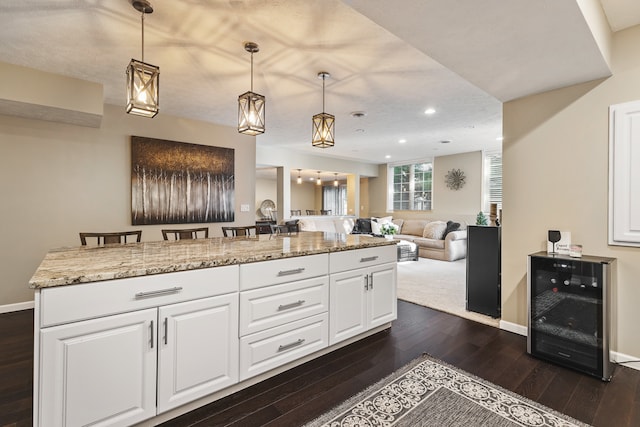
(57, 180)
(555, 176)
(265, 189)
(459, 205)
(302, 195)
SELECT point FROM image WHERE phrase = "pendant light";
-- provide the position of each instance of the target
(143, 80)
(250, 104)
(323, 123)
(335, 181)
(318, 181)
(299, 177)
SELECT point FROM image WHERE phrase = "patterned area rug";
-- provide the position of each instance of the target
(428, 392)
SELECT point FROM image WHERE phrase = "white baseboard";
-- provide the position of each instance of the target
(513, 327)
(621, 358)
(8, 308)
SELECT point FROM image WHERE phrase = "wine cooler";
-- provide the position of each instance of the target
(569, 315)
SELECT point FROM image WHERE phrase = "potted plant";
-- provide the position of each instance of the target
(481, 219)
(388, 230)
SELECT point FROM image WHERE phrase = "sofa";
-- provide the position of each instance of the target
(431, 241)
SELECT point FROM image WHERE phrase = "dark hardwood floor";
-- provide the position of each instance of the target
(301, 394)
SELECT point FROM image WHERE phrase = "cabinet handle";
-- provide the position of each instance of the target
(291, 305)
(288, 272)
(366, 282)
(165, 331)
(151, 332)
(369, 258)
(291, 345)
(371, 281)
(158, 293)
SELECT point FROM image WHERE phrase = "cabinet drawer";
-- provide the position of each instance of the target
(271, 306)
(359, 258)
(65, 304)
(266, 350)
(259, 274)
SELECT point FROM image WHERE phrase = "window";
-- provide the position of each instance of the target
(335, 199)
(494, 177)
(411, 186)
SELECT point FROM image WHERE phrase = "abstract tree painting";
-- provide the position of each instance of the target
(178, 183)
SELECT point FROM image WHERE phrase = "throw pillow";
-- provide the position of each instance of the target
(375, 226)
(376, 223)
(434, 230)
(451, 226)
(363, 226)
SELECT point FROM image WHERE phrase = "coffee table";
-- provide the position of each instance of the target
(407, 251)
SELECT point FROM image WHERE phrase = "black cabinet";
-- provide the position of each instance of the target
(483, 270)
(568, 311)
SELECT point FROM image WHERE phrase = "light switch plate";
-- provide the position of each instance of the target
(244, 208)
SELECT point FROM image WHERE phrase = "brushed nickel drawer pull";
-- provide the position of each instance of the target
(166, 331)
(291, 345)
(149, 294)
(291, 305)
(289, 272)
(369, 258)
(151, 331)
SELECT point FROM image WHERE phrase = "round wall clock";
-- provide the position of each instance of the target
(455, 179)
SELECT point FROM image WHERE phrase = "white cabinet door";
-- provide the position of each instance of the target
(383, 306)
(99, 372)
(347, 305)
(198, 349)
(360, 300)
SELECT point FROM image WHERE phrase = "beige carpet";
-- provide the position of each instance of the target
(440, 285)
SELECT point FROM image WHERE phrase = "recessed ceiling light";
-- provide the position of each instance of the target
(430, 111)
(387, 156)
(358, 114)
(359, 130)
(445, 141)
(402, 141)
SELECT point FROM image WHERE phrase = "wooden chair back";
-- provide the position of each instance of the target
(186, 233)
(109, 238)
(312, 212)
(247, 231)
(295, 212)
(325, 212)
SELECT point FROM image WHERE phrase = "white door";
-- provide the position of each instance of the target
(381, 296)
(99, 372)
(198, 349)
(347, 316)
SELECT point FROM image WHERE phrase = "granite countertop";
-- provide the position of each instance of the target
(84, 264)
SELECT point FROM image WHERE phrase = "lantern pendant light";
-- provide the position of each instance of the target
(335, 180)
(299, 177)
(250, 104)
(318, 181)
(143, 80)
(323, 123)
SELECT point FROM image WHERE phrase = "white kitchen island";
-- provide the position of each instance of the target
(141, 333)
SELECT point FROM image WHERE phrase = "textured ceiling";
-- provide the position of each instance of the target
(391, 60)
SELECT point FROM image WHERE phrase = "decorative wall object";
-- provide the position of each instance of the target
(455, 179)
(178, 183)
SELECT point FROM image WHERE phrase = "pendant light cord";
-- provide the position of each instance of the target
(323, 77)
(251, 71)
(142, 19)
